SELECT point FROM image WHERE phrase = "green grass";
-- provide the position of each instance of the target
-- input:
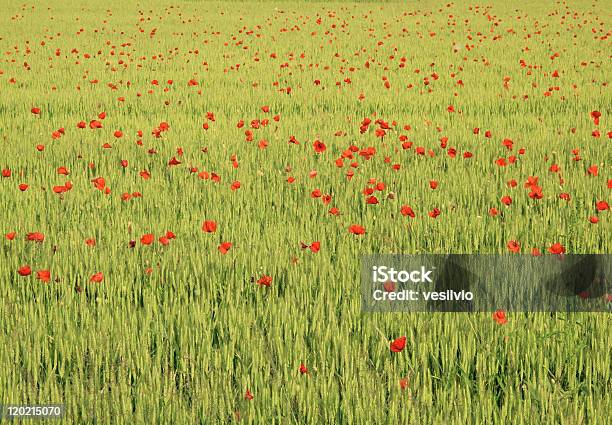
(183, 343)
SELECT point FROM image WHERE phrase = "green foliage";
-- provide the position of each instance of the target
(183, 343)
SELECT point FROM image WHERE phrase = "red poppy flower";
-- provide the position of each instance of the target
(602, 206)
(99, 183)
(506, 200)
(389, 286)
(434, 213)
(35, 111)
(303, 369)
(147, 239)
(43, 275)
(209, 226)
(407, 211)
(97, 277)
(513, 246)
(248, 395)
(556, 248)
(23, 187)
(224, 247)
(536, 192)
(398, 344)
(356, 229)
(24, 270)
(10, 236)
(265, 280)
(35, 237)
(319, 146)
(500, 317)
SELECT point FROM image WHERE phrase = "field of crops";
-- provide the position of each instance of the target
(187, 189)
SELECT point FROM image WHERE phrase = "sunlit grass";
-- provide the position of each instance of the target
(178, 333)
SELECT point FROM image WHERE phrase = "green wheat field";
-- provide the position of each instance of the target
(188, 187)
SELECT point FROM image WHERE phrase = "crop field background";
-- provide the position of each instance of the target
(188, 187)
